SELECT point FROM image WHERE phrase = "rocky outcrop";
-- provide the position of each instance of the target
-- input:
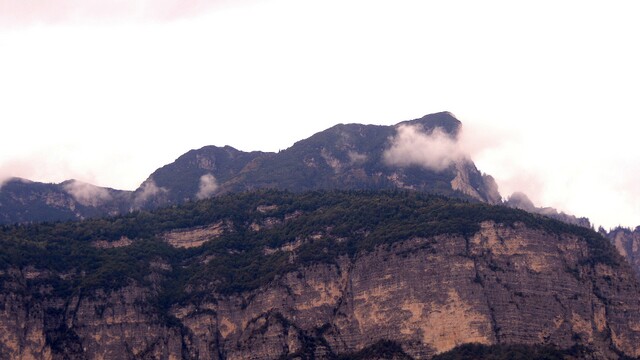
(519, 200)
(627, 242)
(471, 182)
(503, 284)
(194, 237)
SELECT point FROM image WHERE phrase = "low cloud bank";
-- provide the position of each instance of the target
(208, 186)
(435, 150)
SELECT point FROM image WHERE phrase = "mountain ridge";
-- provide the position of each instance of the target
(344, 156)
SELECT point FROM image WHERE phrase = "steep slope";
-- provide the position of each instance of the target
(269, 275)
(351, 156)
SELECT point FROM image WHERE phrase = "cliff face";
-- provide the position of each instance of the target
(118, 325)
(502, 284)
(627, 242)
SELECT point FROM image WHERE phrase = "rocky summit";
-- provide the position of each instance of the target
(627, 242)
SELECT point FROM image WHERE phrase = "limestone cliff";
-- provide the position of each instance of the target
(501, 282)
(627, 242)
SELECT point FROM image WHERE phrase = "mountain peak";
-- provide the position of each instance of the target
(444, 120)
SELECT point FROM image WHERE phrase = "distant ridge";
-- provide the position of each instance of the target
(345, 156)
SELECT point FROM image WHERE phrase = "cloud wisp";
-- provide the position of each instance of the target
(435, 150)
(208, 186)
(357, 158)
(147, 191)
(87, 194)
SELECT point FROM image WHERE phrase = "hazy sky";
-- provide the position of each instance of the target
(106, 91)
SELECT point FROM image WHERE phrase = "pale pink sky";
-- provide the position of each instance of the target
(25, 12)
(108, 91)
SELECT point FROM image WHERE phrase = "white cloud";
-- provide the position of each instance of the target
(435, 150)
(147, 191)
(87, 194)
(208, 186)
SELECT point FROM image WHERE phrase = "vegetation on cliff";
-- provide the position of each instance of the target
(322, 225)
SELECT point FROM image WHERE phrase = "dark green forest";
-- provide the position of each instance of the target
(344, 223)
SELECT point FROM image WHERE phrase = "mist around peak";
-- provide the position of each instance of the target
(435, 149)
(87, 194)
(147, 191)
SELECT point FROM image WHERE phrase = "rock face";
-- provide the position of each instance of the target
(501, 284)
(351, 156)
(627, 242)
(117, 325)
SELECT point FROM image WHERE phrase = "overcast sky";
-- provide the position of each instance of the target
(107, 91)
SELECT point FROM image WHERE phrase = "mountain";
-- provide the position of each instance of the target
(350, 156)
(187, 177)
(330, 275)
(24, 201)
(418, 154)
